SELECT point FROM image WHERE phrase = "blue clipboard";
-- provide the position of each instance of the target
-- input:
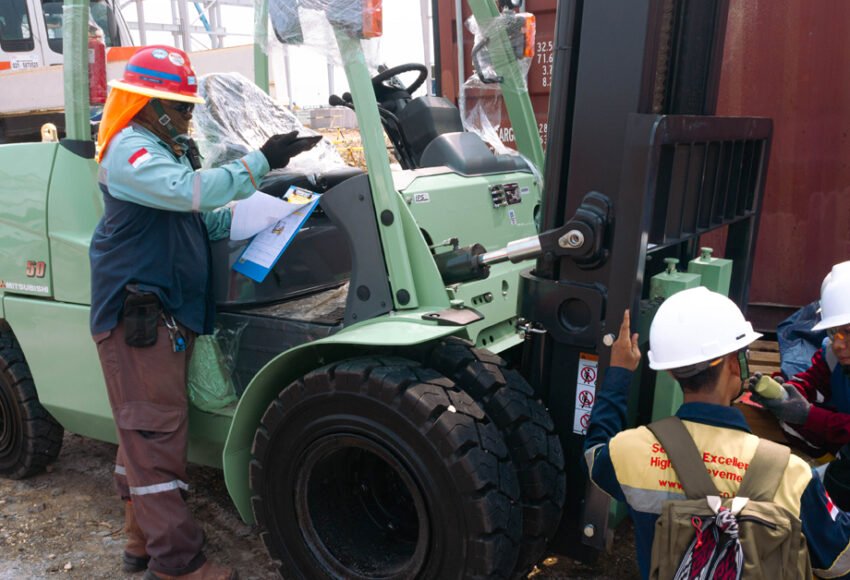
(256, 262)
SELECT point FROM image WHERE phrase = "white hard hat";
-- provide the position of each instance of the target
(695, 326)
(835, 298)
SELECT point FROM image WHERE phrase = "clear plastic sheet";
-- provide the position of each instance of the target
(482, 94)
(238, 118)
(310, 24)
(211, 368)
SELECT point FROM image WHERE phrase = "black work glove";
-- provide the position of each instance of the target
(279, 149)
(792, 409)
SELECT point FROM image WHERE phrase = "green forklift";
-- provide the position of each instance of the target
(414, 373)
(383, 438)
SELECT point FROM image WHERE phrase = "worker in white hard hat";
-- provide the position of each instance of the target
(816, 408)
(818, 403)
(700, 338)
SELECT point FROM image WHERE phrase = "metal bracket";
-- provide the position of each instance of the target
(454, 316)
(584, 237)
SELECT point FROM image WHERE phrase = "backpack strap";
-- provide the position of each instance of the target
(685, 457)
(765, 471)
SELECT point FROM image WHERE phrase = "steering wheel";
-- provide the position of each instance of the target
(379, 79)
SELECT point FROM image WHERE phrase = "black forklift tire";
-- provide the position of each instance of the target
(381, 468)
(30, 438)
(527, 428)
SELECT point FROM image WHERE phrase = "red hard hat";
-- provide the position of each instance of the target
(162, 72)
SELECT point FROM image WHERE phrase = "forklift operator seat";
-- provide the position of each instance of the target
(424, 119)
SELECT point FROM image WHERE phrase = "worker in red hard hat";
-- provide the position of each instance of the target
(151, 294)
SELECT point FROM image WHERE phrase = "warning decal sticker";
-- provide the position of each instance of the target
(588, 365)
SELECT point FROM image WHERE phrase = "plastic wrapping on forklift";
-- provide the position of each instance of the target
(211, 368)
(483, 90)
(290, 18)
(238, 118)
(307, 25)
(71, 16)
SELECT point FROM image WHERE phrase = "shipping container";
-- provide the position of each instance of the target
(789, 62)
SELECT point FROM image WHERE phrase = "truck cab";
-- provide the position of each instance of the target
(31, 31)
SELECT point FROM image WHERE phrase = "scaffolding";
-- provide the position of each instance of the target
(191, 21)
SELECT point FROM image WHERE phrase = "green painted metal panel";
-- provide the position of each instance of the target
(497, 299)
(715, 273)
(25, 170)
(358, 340)
(74, 207)
(66, 370)
(384, 195)
(473, 218)
(451, 205)
(63, 360)
(667, 283)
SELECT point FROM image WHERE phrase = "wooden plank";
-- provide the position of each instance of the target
(757, 356)
(768, 345)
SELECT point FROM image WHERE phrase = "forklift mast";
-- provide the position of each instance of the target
(631, 116)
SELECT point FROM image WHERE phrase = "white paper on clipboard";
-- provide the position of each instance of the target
(257, 213)
(267, 247)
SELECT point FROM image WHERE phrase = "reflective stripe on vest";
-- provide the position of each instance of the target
(648, 479)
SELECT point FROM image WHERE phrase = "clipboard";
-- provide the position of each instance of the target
(266, 248)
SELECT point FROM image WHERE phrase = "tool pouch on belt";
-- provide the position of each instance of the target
(142, 312)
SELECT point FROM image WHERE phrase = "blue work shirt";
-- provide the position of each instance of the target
(632, 467)
(157, 224)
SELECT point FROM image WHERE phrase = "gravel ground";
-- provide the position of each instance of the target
(67, 523)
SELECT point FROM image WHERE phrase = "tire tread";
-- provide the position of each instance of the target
(470, 445)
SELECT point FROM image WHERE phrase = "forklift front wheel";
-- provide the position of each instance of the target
(527, 428)
(381, 468)
(29, 437)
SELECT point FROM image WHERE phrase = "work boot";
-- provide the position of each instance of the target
(135, 557)
(208, 571)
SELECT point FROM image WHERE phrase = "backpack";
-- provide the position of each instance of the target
(708, 537)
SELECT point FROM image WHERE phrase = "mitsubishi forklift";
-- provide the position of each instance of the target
(409, 403)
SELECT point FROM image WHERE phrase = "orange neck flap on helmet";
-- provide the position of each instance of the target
(121, 106)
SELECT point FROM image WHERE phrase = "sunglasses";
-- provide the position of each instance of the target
(838, 333)
(184, 108)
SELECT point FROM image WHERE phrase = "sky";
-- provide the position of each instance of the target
(402, 43)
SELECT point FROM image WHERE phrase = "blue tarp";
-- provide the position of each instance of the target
(797, 341)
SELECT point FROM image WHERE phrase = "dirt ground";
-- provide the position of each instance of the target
(66, 523)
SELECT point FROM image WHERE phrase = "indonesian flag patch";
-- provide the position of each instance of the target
(830, 506)
(139, 157)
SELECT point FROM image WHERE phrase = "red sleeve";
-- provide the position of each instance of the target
(814, 382)
(823, 427)
(830, 428)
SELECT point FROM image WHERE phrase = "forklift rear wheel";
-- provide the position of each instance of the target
(381, 468)
(524, 422)
(29, 437)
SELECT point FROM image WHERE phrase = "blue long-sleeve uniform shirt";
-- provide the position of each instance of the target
(157, 224)
(631, 466)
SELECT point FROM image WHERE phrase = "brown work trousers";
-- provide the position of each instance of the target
(147, 392)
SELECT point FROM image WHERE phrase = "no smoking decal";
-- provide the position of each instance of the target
(585, 391)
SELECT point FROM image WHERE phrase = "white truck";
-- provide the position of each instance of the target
(31, 72)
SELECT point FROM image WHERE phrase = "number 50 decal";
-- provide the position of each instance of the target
(35, 269)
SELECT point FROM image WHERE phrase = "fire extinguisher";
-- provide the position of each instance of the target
(97, 70)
